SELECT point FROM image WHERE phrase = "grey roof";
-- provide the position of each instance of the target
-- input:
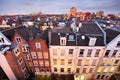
(87, 30)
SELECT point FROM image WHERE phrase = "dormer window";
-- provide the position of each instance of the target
(38, 46)
(63, 41)
(18, 39)
(2, 40)
(118, 44)
(71, 38)
(92, 41)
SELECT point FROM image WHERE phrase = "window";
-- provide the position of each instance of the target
(68, 70)
(69, 61)
(103, 62)
(45, 55)
(54, 51)
(91, 70)
(84, 70)
(55, 61)
(71, 38)
(94, 62)
(18, 39)
(46, 63)
(77, 70)
(102, 76)
(70, 51)
(107, 53)
(99, 69)
(20, 60)
(89, 52)
(2, 40)
(62, 52)
(63, 41)
(23, 68)
(114, 53)
(25, 48)
(110, 62)
(55, 69)
(97, 53)
(98, 77)
(38, 46)
(92, 41)
(47, 70)
(17, 52)
(62, 62)
(111, 69)
(36, 69)
(81, 52)
(27, 57)
(33, 55)
(106, 69)
(39, 55)
(87, 62)
(41, 63)
(42, 70)
(118, 44)
(79, 62)
(62, 69)
(116, 62)
(35, 63)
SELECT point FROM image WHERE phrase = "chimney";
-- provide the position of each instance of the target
(92, 41)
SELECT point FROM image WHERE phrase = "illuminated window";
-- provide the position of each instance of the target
(62, 62)
(54, 51)
(39, 55)
(110, 62)
(97, 53)
(70, 51)
(99, 69)
(106, 69)
(45, 55)
(63, 41)
(18, 39)
(62, 52)
(55, 61)
(81, 52)
(38, 46)
(112, 69)
(86, 62)
(33, 55)
(89, 52)
(102, 62)
(41, 63)
(79, 62)
(69, 61)
(35, 63)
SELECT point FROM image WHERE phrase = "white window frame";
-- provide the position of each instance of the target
(62, 40)
(25, 48)
(18, 39)
(38, 46)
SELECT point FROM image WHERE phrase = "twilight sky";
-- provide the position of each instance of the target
(57, 6)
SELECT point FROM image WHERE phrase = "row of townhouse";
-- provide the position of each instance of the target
(88, 51)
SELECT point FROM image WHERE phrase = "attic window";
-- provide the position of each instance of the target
(63, 41)
(2, 40)
(71, 37)
(18, 39)
(83, 37)
(118, 44)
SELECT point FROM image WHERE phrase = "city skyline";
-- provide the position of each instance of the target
(57, 7)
